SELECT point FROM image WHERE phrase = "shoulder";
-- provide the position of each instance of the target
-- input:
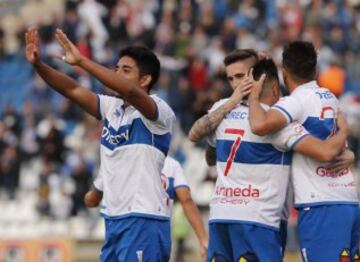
(219, 103)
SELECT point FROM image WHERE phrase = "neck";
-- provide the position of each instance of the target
(267, 100)
(292, 85)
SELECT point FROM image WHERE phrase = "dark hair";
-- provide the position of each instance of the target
(299, 59)
(240, 55)
(268, 67)
(146, 60)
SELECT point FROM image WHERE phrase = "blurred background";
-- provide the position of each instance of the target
(49, 148)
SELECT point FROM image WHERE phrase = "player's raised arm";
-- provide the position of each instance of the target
(63, 84)
(263, 122)
(129, 90)
(207, 124)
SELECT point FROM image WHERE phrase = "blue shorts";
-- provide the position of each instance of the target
(136, 239)
(329, 233)
(243, 242)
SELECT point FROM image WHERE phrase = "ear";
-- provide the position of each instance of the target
(145, 80)
(275, 90)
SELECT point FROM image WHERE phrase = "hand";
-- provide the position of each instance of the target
(262, 55)
(344, 160)
(257, 86)
(341, 122)
(72, 54)
(32, 46)
(241, 91)
(203, 249)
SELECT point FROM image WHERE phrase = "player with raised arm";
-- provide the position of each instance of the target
(329, 214)
(253, 174)
(134, 143)
(176, 187)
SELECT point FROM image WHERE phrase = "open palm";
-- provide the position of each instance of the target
(72, 54)
(32, 45)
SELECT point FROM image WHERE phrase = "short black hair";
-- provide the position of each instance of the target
(300, 59)
(240, 55)
(146, 60)
(268, 67)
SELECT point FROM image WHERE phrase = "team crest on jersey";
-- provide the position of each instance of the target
(117, 112)
(248, 257)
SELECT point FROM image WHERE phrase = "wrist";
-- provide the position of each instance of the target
(230, 105)
(82, 61)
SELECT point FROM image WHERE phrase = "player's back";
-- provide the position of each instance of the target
(316, 108)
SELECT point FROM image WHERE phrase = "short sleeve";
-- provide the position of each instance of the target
(179, 177)
(106, 103)
(289, 107)
(98, 183)
(165, 120)
(289, 136)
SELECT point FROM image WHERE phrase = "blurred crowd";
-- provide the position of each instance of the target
(191, 38)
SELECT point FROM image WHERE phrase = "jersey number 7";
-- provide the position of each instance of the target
(234, 148)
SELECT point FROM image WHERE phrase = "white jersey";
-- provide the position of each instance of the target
(316, 109)
(132, 154)
(253, 171)
(172, 176)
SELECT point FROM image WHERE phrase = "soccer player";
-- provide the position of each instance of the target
(177, 187)
(246, 207)
(134, 143)
(329, 214)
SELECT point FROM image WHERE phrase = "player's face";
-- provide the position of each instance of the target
(127, 68)
(235, 72)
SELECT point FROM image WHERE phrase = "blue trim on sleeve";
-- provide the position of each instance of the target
(284, 111)
(99, 116)
(298, 140)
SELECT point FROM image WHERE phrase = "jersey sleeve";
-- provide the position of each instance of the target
(289, 107)
(98, 183)
(105, 104)
(289, 136)
(165, 120)
(179, 177)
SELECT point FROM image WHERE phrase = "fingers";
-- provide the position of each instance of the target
(63, 40)
(261, 80)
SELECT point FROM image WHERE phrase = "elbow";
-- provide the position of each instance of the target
(90, 201)
(192, 137)
(258, 130)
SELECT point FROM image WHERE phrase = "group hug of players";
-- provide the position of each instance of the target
(270, 152)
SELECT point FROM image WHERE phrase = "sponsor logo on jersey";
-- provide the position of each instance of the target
(237, 115)
(325, 95)
(114, 139)
(324, 172)
(249, 191)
